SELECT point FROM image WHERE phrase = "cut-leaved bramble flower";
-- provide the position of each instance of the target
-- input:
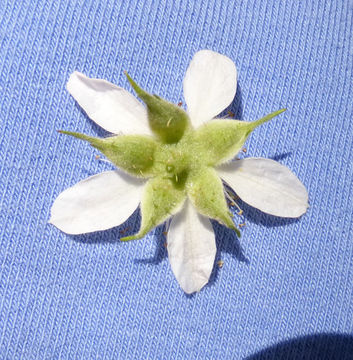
(175, 167)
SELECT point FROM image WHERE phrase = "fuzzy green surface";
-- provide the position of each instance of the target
(160, 200)
(179, 160)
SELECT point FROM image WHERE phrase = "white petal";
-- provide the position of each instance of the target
(191, 248)
(210, 85)
(111, 107)
(99, 202)
(267, 185)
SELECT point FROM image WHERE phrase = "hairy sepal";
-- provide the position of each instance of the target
(161, 199)
(167, 121)
(220, 140)
(205, 190)
(131, 153)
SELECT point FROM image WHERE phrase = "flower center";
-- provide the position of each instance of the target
(174, 163)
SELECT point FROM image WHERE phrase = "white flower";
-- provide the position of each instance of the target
(177, 162)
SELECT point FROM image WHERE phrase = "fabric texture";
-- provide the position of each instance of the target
(285, 288)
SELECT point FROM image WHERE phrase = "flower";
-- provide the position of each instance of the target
(175, 167)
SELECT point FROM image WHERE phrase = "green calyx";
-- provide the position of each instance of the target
(178, 162)
(205, 190)
(132, 153)
(168, 121)
(161, 198)
(220, 140)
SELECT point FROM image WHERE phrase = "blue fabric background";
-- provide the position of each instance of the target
(85, 297)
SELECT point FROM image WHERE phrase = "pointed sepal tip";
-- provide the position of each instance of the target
(268, 117)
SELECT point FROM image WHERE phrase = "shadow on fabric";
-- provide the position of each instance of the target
(311, 347)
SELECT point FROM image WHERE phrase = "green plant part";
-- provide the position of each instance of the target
(167, 120)
(184, 158)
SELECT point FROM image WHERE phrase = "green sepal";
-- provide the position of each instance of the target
(166, 120)
(161, 199)
(131, 153)
(220, 140)
(205, 190)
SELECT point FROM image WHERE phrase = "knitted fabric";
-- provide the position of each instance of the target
(285, 288)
